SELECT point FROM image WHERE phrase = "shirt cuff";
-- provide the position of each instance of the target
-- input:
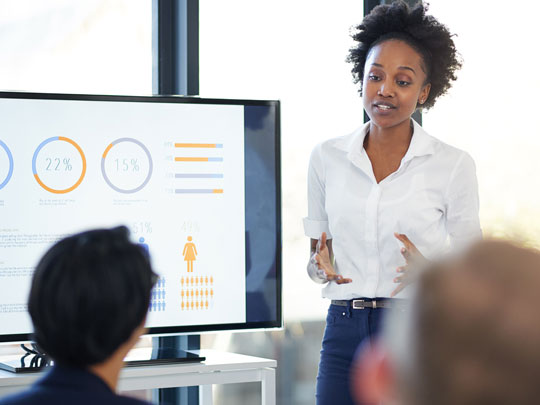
(313, 229)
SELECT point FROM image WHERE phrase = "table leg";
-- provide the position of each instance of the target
(205, 395)
(268, 386)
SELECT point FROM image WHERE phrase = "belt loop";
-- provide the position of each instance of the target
(349, 311)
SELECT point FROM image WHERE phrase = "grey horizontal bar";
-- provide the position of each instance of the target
(198, 175)
(194, 191)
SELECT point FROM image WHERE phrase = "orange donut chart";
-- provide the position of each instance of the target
(83, 158)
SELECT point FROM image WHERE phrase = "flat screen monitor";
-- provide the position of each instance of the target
(197, 182)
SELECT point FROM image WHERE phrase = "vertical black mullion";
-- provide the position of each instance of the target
(164, 41)
(175, 47)
(192, 47)
(175, 71)
(370, 5)
(155, 47)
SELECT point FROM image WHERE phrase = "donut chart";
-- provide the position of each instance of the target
(66, 161)
(126, 165)
(10, 165)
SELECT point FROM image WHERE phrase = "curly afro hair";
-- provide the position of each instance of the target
(422, 32)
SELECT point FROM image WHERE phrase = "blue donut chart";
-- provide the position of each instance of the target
(10, 170)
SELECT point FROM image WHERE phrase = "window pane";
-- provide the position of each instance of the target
(491, 111)
(83, 46)
(294, 51)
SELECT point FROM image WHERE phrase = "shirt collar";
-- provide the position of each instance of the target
(422, 144)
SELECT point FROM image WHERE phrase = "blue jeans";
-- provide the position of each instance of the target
(345, 329)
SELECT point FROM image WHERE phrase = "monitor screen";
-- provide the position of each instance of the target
(197, 182)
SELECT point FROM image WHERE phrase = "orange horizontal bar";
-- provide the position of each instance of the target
(191, 159)
(218, 191)
(194, 145)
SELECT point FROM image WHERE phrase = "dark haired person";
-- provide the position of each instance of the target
(470, 336)
(387, 194)
(88, 303)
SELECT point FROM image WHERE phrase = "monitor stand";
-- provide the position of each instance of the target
(33, 360)
(180, 395)
(145, 356)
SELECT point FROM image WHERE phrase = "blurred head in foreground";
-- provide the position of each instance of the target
(89, 297)
(471, 335)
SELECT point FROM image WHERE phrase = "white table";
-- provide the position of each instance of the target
(219, 368)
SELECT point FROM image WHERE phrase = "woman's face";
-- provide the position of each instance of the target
(394, 82)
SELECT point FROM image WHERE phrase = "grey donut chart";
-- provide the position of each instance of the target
(150, 166)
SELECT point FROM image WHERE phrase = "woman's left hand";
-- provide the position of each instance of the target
(413, 259)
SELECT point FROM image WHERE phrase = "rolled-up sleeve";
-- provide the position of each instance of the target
(317, 220)
(462, 220)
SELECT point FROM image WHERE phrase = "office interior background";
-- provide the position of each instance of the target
(295, 50)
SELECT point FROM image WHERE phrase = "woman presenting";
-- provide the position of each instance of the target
(387, 194)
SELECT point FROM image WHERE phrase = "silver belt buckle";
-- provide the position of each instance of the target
(359, 302)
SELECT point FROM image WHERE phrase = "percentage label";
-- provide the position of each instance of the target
(190, 226)
(127, 164)
(59, 165)
(56, 164)
(141, 227)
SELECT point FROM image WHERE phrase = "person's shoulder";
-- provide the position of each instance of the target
(339, 144)
(48, 391)
(446, 153)
(44, 397)
(34, 395)
(455, 157)
(14, 399)
(125, 400)
(343, 142)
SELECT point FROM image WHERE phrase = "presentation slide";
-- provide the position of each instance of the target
(172, 173)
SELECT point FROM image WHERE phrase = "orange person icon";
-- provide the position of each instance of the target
(190, 254)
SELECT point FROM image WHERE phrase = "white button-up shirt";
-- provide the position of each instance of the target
(432, 198)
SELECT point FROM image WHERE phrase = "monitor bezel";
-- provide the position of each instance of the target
(189, 329)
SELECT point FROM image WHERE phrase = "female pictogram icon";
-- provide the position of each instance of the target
(190, 254)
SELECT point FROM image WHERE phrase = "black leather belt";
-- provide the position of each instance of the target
(370, 303)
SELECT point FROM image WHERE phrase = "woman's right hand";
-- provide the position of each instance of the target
(322, 257)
